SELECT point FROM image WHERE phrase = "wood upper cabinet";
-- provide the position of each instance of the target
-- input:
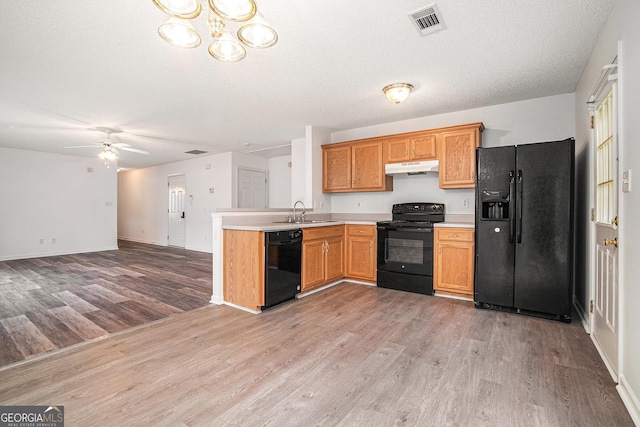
(361, 252)
(354, 166)
(414, 146)
(336, 168)
(454, 261)
(457, 155)
(322, 256)
(243, 271)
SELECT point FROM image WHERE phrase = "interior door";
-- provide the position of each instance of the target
(252, 189)
(606, 293)
(177, 190)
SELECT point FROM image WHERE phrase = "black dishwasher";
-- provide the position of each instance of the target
(283, 263)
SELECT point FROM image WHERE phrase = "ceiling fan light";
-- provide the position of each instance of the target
(108, 155)
(179, 33)
(226, 48)
(234, 10)
(257, 33)
(397, 92)
(185, 9)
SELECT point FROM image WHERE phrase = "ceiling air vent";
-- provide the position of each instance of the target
(427, 20)
(195, 152)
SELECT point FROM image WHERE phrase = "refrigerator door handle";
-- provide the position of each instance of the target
(519, 209)
(512, 194)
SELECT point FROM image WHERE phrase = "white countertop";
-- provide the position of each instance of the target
(454, 225)
(271, 226)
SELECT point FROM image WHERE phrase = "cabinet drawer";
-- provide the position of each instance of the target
(361, 230)
(455, 234)
(322, 232)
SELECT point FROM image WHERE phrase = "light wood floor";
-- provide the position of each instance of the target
(54, 302)
(351, 355)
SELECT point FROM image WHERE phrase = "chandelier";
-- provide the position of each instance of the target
(253, 32)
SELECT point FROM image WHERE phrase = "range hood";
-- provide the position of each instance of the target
(411, 168)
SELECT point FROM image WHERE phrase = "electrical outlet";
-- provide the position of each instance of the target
(42, 241)
(53, 240)
(465, 203)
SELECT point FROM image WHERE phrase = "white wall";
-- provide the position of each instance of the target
(279, 181)
(52, 196)
(143, 199)
(535, 120)
(622, 27)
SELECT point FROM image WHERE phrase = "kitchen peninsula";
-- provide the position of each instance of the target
(336, 247)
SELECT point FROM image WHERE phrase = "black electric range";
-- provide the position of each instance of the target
(405, 247)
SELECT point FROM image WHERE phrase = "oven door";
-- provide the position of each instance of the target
(405, 250)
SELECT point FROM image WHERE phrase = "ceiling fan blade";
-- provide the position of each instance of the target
(133, 150)
(120, 145)
(84, 146)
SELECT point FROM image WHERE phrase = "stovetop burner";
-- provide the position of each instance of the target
(420, 215)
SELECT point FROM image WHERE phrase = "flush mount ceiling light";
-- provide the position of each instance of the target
(397, 92)
(255, 32)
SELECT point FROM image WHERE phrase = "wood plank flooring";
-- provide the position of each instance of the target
(351, 355)
(55, 302)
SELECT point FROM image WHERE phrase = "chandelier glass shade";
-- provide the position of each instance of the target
(108, 155)
(180, 33)
(255, 31)
(397, 92)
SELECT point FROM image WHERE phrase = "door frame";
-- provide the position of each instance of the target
(168, 199)
(613, 371)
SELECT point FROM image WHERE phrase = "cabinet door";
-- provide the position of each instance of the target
(396, 150)
(336, 168)
(424, 147)
(334, 259)
(454, 261)
(458, 158)
(361, 262)
(367, 166)
(313, 264)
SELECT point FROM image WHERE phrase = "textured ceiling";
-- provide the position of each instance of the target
(68, 66)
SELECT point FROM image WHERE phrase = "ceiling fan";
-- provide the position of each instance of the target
(109, 148)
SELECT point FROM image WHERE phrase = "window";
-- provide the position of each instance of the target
(605, 179)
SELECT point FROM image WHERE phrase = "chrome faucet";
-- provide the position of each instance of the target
(301, 219)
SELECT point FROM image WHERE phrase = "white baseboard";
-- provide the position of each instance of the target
(216, 300)
(148, 242)
(56, 253)
(612, 372)
(584, 317)
(239, 307)
(207, 251)
(629, 399)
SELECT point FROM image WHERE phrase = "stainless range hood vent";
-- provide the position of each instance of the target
(412, 168)
(427, 20)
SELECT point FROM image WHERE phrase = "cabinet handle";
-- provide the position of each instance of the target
(360, 231)
(453, 235)
(370, 245)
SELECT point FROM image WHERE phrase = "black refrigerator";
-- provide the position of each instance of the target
(524, 228)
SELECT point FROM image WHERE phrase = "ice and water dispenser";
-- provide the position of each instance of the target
(495, 205)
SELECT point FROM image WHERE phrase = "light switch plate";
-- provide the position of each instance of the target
(626, 181)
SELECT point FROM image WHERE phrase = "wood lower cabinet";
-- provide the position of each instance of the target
(457, 155)
(361, 252)
(243, 271)
(453, 270)
(322, 256)
(354, 166)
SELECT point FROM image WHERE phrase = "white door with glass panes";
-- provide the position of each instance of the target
(605, 300)
(177, 190)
